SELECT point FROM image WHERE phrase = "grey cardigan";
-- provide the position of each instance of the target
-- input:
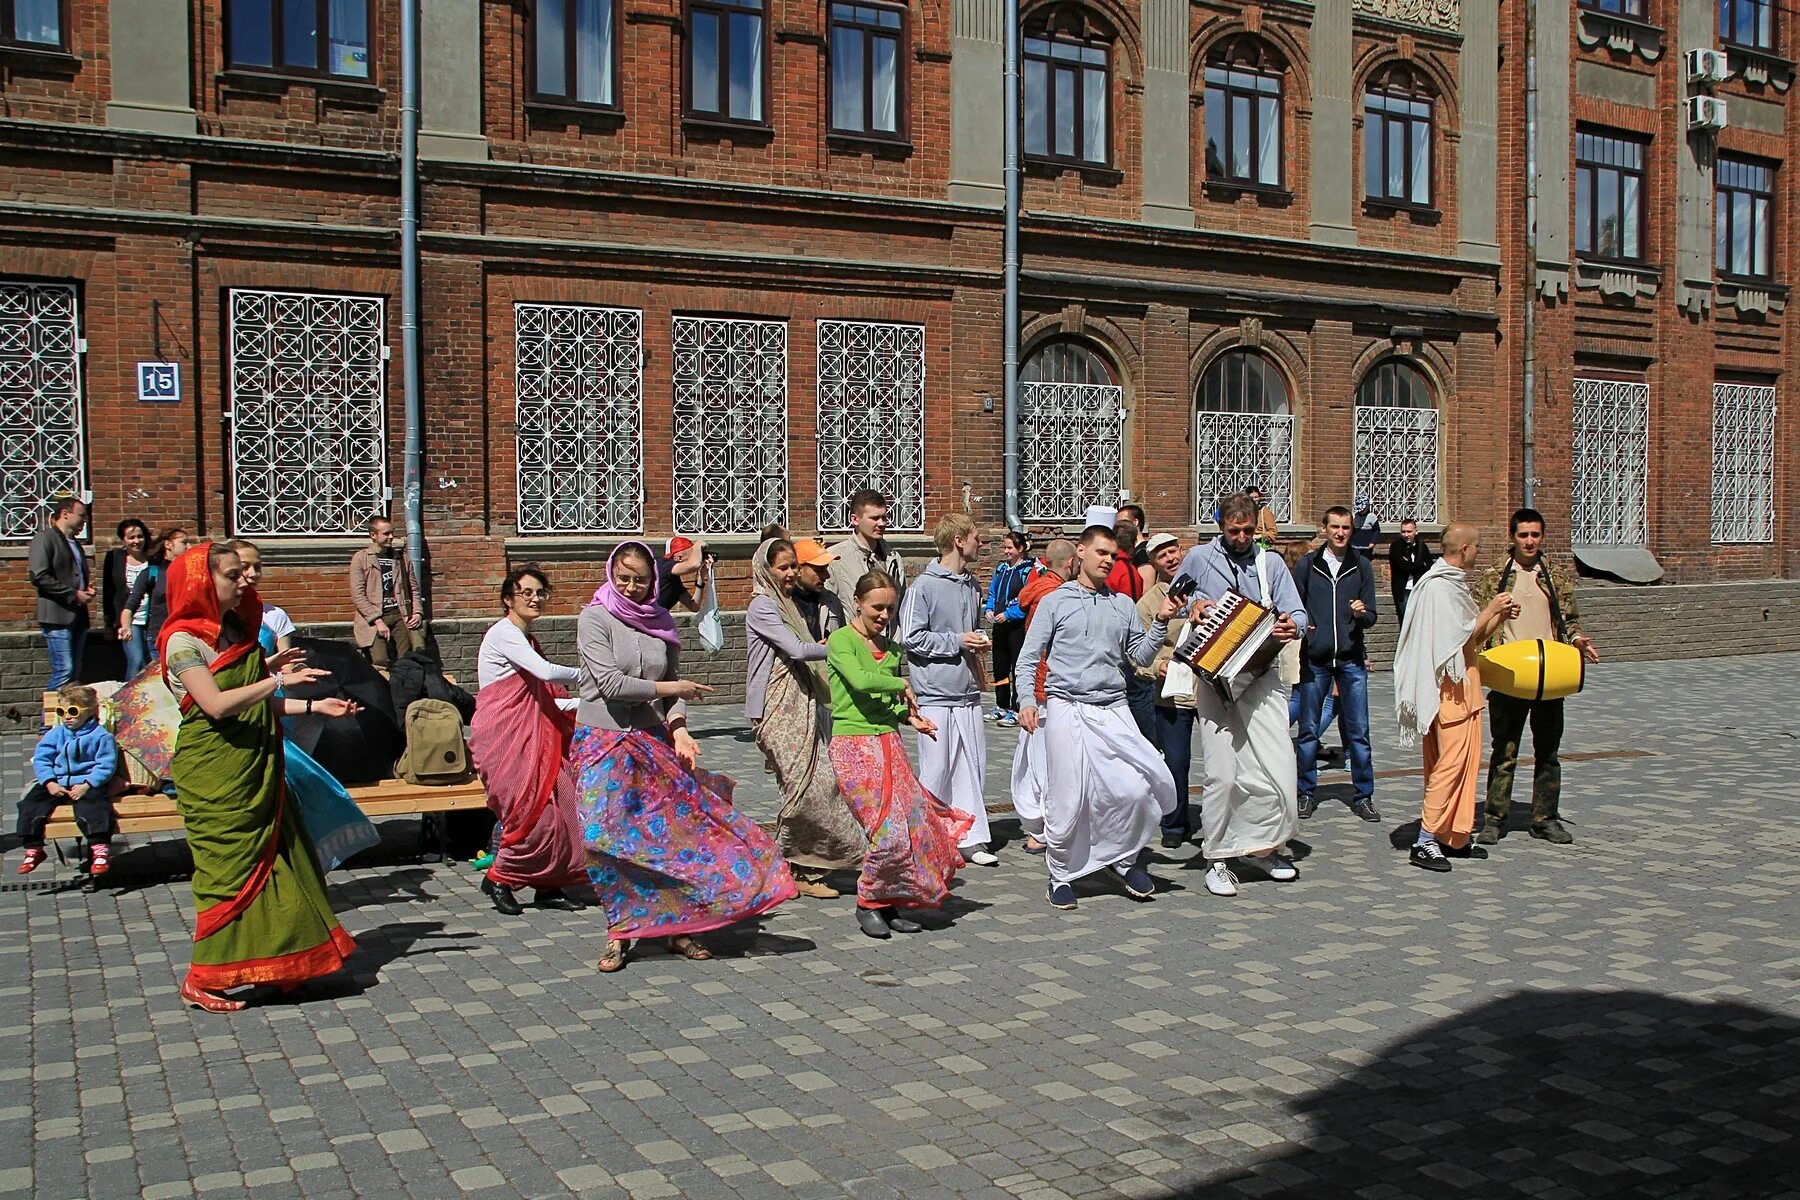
(620, 668)
(766, 635)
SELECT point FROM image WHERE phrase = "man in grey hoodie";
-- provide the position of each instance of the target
(940, 631)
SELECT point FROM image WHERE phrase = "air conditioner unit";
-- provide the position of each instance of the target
(1706, 112)
(1707, 66)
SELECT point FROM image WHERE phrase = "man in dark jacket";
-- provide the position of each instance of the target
(59, 572)
(1338, 586)
(1408, 560)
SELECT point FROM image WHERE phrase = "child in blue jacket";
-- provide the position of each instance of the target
(74, 762)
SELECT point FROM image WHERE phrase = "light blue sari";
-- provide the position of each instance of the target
(337, 827)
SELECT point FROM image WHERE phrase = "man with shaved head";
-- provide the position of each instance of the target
(1437, 694)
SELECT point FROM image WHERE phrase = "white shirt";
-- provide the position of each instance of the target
(276, 621)
(132, 571)
(505, 651)
(1332, 561)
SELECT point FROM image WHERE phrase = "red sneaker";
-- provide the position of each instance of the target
(34, 858)
(101, 859)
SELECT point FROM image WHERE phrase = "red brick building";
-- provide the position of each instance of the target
(699, 266)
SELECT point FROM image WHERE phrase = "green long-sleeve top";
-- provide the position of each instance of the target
(868, 697)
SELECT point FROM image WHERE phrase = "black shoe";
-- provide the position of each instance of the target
(1174, 841)
(502, 896)
(556, 900)
(1430, 856)
(1469, 851)
(898, 923)
(1138, 884)
(1365, 809)
(583, 896)
(870, 922)
(1308, 806)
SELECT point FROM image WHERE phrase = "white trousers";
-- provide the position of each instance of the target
(1028, 781)
(953, 765)
(1107, 788)
(1247, 801)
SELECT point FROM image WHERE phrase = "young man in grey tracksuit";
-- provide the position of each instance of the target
(940, 631)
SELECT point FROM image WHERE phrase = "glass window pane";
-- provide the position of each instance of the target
(1607, 214)
(252, 34)
(847, 79)
(1234, 381)
(1421, 162)
(300, 34)
(1037, 139)
(1215, 132)
(746, 44)
(1628, 216)
(552, 61)
(1065, 112)
(1740, 233)
(1093, 124)
(38, 22)
(1373, 140)
(348, 41)
(705, 62)
(594, 51)
(1240, 136)
(1584, 210)
(1721, 227)
(1760, 236)
(1396, 160)
(886, 117)
(1268, 131)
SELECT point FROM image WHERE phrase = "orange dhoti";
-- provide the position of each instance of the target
(1453, 761)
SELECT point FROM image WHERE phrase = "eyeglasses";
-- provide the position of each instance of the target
(532, 593)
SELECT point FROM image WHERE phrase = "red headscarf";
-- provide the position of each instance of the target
(193, 601)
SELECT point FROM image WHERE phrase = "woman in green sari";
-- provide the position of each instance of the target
(261, 916)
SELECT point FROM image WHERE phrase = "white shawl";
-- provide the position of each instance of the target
(1439, 619)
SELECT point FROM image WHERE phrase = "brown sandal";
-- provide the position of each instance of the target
(613, 957)
(210, 1001)
(689, 948)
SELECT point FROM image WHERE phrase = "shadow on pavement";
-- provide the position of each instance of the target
(1554, 1094)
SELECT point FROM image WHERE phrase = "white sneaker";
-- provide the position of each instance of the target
(1219, 879)
(982, 858)
(1275, 866)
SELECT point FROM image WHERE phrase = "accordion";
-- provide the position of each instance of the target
(1235, 641)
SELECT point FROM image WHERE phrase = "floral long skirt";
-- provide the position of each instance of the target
(913, 835)
(666, 851)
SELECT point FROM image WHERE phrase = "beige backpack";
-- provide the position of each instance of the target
(436, 754)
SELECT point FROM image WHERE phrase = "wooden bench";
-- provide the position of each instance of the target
(389, 798)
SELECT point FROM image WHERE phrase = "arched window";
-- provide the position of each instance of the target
(1070, 410)
(1244, 433)
(1397, 442)
(1067, 86)
(1397, 138)
(1243, 113)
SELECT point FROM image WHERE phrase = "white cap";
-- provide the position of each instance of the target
(1100, 514)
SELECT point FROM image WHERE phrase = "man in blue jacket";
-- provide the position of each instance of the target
(1011, 574)
(1337, 583)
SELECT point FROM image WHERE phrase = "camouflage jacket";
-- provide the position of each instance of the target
(1564, 613)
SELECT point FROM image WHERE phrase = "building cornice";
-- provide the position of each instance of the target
(1252, 299)
(237, 152)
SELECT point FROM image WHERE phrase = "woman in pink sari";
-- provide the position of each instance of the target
(519, 740)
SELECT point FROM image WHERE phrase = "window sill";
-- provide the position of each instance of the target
(1230, 189)
(562, 113)
(50, 60)
(1759, 67)
(714, 129)
(880, 147)
(1619, 34)
(275, 83)
(1420, 214)
(1095, 173)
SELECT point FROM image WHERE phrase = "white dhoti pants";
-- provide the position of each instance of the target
(1028, 781)
(953, 765)
(1247, 802)
(1106, 789)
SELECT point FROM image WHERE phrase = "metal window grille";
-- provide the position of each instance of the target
(1610, 470)
(308, 412)
(41, 426)
(1233, 450)
(730, 424)
(578, 386)
(871, 419)
(1743, 463)
(1069, 454)
(1397, 462)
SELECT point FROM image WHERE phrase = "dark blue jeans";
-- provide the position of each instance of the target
(1175, 738)
(1352, 681)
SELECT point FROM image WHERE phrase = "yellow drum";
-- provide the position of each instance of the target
(1534, 670)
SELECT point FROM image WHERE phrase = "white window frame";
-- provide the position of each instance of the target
(283, 484)
(1261, 452)
(1609, 469)
(730, 445)
(1743, 463)
(1071, 448)
(43, 418)
(871, 420)
(1397, 462)
(578, 392)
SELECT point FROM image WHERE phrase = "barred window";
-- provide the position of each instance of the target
(308, 413)
(1397, 139)
(1244, 433)
(307, 37)
(1243, 114)
(1747, 23)
(1609, 474)
(1743, 217)
(1397, 443)
(871, 420)
(35, 24)
(575, 59)
(1071, 409)
(1743, 463)
(730, 424)
(41, 426)
(578, 384)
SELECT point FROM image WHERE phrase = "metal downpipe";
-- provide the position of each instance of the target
(1010, 264)
(412, 465)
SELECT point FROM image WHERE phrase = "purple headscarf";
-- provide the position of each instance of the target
(650, 617)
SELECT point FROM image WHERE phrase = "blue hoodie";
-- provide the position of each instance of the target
(71, 756)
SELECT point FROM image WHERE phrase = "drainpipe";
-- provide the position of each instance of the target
(409, 292)
(1010, 264)
(1528, 461)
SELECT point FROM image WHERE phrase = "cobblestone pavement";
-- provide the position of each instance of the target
(1614, 1018)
